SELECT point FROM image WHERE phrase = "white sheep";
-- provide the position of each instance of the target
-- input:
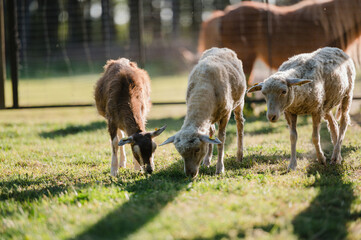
(216, 86)
(122, 96)
(330, 74)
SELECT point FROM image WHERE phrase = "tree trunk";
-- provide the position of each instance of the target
(221, 4)
(136, 31)
(74, 23)
(176, 17)
(196, 17)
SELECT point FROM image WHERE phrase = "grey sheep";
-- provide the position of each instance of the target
(312, 83)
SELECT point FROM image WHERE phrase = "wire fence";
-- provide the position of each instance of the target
(63, 44)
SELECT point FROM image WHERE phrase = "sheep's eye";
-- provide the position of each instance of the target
(197, 150)
(284, 92)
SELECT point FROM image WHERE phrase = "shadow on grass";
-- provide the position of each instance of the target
(27, 189)
(148, 197)
(173, 124)
(10, 190)
(329, 212)
(235, 234)
(74, 129)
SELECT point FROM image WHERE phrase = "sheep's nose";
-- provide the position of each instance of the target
(272, 117)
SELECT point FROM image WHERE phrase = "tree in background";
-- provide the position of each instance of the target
(286, 2)
(221, 4)
(75, 14)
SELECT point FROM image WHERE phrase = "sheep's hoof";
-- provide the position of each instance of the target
(113, 172)
(291, 167)
(240, 157)
(220, 171)
(337, 160)
(322, 160)
(207, 162)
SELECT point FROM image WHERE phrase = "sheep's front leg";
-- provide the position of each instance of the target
(207, 159)
(238, 115)
(222, 137)
(344, 121)
(123, 157)
(292, 122)
(114, 143)
(333, 128)
(316, 121)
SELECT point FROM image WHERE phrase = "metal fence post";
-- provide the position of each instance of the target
(136, 30)
(2, 57)
(14, 49)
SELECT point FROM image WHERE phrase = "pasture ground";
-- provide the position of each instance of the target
(55, 183)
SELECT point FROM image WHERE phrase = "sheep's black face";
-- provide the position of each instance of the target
(143, 148)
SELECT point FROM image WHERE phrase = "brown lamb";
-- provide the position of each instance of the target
(122, 97)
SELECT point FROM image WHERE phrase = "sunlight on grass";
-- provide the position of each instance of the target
(55, 183)
(79, 90)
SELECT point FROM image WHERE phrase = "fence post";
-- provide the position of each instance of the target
(136, 30)
(2, 57)
(14, 49)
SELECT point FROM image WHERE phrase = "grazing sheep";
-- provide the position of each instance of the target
(122, 98)
(216, 86)
(330, 75)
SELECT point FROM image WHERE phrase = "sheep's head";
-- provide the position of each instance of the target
(192, 146)
(278, 93)
(143, 147)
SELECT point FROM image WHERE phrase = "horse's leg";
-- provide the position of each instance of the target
(248, 62)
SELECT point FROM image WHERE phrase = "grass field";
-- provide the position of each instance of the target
(55, 182)
(79, 90)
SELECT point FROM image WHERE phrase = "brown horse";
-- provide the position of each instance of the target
(273, 34)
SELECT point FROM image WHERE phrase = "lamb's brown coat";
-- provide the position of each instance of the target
(122, 96)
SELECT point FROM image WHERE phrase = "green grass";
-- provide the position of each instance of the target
(55, 183)
(79, 90)
(55, 178)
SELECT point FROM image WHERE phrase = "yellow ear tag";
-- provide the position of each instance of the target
(212, 137)
(123, 139)
(156, 129)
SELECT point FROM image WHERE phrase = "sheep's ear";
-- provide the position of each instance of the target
(157, 131)
(125, 141)
(255, 88)
(207, 139)
(297, 81)
(169, 140)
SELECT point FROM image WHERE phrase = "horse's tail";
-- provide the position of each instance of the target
(210, 35)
